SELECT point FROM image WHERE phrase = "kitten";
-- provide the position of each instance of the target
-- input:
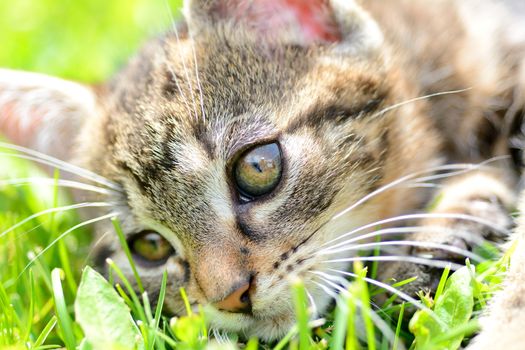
(238, 149)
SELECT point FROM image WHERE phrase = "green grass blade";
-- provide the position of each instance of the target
(158, 309)
(253, 344)
(341, 317)
(398, 327)
(136, 306)
(124, 245)
(64, 320)
(351, 335)
(301, 312)
(45, 332)
(186, 301)
(365, 304)
(31, 311)
(442, 282)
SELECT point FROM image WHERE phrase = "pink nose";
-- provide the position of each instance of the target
(238, 301)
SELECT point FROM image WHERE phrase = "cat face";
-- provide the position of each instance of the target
(238, 146)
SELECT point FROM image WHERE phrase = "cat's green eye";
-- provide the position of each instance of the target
(151, 246)
(258, 171)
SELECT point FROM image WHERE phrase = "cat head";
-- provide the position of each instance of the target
(238, 142)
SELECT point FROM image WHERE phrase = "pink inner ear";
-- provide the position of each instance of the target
(316, 19)
(312, 20)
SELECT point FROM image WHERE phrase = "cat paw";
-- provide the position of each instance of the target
(469, 213)
(462, 227)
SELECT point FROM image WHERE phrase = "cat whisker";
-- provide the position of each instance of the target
(402, 181)
(448, 248)
(55, 210)
(424, 185)
(376, 319)
(478, 166)
(62, 235)
(347, 293)
(186, 72)
(407, 230)
(387, 287)
(199, 85)
(415, 177)
(168, 65)
(52, 182)
(420, 98)
(219, 337)
(184, 98)
(440, 264)
(311, 300)
(454, 216)
(95, 245)
(41, 158)
(20, 235)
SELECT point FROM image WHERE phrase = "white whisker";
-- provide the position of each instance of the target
(199, 85)
(327, 290)
(313, 305)
(415, 176)
(441, 264)
(461, 172)
(59, 182)
(186, 72)
(82, 224)
(54, 210)
(57, 163)
(94, 246)
(385, 286)
(432, 245)
(378, 321)
(422, 216)
(170, 68)
(416, 99)
(424, 185)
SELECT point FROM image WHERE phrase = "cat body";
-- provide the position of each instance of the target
(344, 100)
(504, 318)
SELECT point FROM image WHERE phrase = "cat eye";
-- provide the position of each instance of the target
(151, 247)
(258, 171)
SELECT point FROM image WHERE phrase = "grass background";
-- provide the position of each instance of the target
(88, 40)
(84, 40)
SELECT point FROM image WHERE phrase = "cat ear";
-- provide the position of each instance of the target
(43, 113)
(302, 22)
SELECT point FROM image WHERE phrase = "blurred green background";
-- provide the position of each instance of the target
(84, 40)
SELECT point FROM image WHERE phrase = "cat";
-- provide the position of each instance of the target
(256, 139)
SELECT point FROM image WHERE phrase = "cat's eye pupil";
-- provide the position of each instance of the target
(151, 246)
(258, 171)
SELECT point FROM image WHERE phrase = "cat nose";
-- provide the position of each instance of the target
(237, 301)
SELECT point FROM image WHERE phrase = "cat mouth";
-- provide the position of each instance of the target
(264, 324)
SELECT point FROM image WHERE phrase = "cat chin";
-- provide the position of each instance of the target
(247, 326)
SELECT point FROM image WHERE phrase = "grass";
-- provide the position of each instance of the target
(48, 303)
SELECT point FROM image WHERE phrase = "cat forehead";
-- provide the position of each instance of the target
(223, 93)
(226, 77)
